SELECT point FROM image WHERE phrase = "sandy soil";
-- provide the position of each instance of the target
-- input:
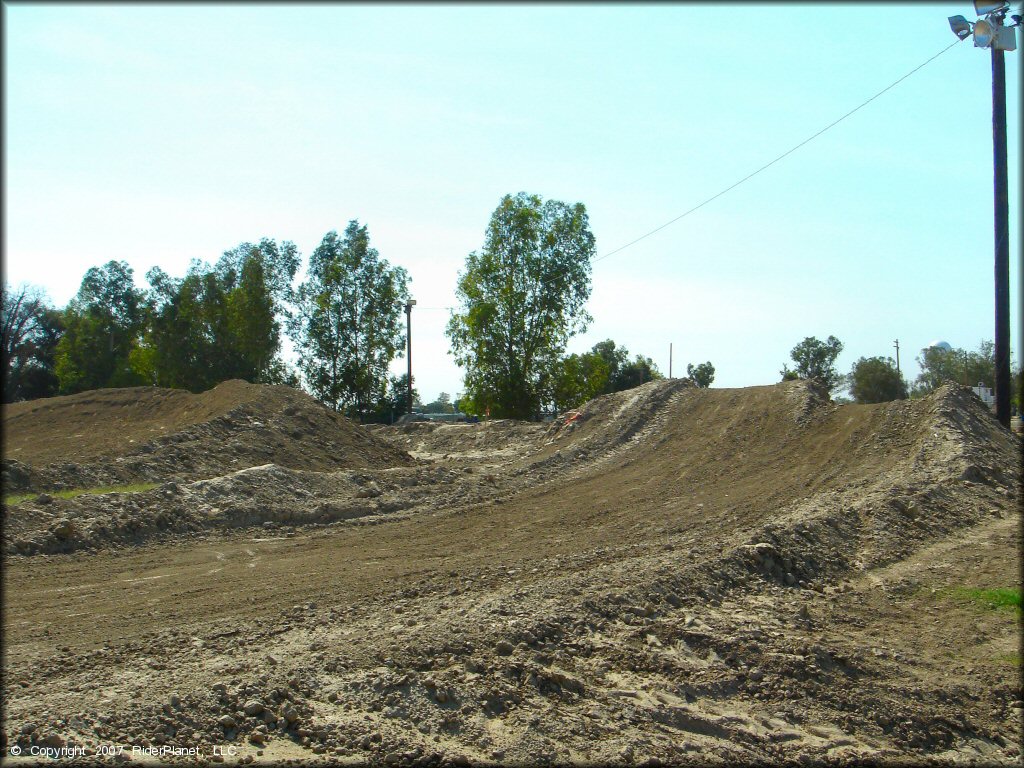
(147, 434)
(672, 576)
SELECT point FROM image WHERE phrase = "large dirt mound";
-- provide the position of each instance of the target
(670, 575)
(136, 434)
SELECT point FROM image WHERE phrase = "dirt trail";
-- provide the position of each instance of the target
(673, 574)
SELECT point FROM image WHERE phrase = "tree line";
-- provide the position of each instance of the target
(521, 298)
(878, 379)
(218, 322)
(524, 295)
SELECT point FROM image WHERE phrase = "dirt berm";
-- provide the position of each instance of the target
(669, 575)
(139, 434)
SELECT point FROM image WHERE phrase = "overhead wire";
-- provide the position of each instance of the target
(780, 157)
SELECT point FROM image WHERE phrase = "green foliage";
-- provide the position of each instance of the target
(616, 360)
(640, 371)
(349, 325)
(395, 402)
(623, 374)
(960, 366)
(29, 335)
(443, 404)
(702, 374)
(967, 368)
(70, 493)
(187, 322)
(398, 394)
(998, 599)
(216, 323)
(277, 268)
(103, 324)
(789, 375)
(1017, 390)
(876, 380)
(219, 322)
(815, 359)
(522, 298)
(985, 598)
(578, 379)
(280, 372)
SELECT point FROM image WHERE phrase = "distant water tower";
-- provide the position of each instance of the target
(943, 345)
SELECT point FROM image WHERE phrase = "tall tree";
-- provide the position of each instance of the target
(640, 371)
(187, 342)
(939, 365)
(103, 324)
(622, 373)
(395, 403)
(349, 327)
(220, 322)
(815, 359)
(876, 380)
(257, 283)
(522, 298)
(28, 339)
(579, 378)
(38, 376)
(615, 358)
(277, 263)
(702, 374)
(253, 328)
(443, 404)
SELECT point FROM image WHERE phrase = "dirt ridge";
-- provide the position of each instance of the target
(147, 434)
(681, 576)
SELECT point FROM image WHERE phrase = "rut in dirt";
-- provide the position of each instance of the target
(662, 459)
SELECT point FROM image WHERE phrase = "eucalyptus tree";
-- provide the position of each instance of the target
(348, 323)
(521, 299)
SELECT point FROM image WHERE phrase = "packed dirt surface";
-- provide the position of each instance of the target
(668, 575)
(486, 443)
(146, 434)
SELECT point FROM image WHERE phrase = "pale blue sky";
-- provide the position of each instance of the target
(161, 133)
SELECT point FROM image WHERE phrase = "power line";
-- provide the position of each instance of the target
(780, 157)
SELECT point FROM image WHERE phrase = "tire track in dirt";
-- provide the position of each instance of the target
(602, 600)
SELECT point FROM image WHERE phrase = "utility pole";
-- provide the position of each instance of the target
(1002, 238)
(408, 346)
(897, 344)
(670, 359)
(991, 32)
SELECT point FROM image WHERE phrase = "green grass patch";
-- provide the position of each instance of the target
(18, 498)
(1007, 659)
(997, 599)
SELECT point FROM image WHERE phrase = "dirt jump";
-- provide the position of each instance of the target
(669, 575)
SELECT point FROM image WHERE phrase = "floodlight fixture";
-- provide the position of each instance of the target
(961, 27)
(993, 35)
(983, 9)
(984, 33)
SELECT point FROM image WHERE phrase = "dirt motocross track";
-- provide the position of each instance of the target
(670, 575)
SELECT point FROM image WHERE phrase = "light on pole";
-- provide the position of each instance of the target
(990, 32)
(408, 346)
